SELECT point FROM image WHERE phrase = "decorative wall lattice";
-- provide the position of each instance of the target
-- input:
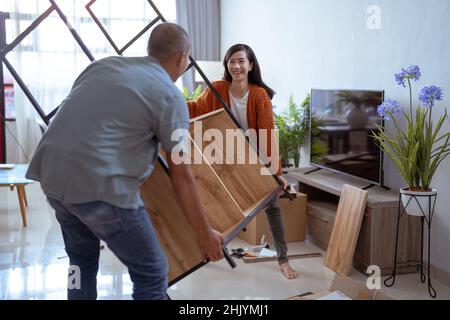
(53, 7)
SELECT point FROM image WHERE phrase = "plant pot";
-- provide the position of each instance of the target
(414, 200)
(356, 117)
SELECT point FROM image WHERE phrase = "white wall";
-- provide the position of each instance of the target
(303, 44)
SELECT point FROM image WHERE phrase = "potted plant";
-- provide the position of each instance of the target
(291, 132)
(418, 150)
(293, 128)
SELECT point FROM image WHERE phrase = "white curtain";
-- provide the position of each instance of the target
(49, 59)
(201, 19)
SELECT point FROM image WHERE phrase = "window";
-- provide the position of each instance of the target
(49, 59)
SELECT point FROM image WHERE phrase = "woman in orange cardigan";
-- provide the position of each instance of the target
(249, 99)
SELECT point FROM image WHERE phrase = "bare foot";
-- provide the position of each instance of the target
(288, 271)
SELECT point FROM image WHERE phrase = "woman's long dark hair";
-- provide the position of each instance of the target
(254, 76)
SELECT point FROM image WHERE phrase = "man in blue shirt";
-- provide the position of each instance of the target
(102, 145)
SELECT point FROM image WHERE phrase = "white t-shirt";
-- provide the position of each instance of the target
(239, 110)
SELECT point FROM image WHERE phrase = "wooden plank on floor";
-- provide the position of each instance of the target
(349, 216)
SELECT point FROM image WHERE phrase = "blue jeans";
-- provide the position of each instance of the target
(130, 236)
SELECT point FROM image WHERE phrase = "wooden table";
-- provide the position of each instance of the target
(15, 177)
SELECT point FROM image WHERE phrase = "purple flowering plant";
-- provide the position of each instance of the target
(418, 150)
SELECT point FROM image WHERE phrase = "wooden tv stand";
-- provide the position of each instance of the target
(376, 242)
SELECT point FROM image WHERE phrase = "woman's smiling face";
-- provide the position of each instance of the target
(239, 66)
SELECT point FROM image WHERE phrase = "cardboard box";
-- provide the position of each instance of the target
(344, 288)
(294, 218)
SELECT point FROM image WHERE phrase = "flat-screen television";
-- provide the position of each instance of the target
(342, 125)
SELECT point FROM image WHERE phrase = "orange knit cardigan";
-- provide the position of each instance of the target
(259, 108)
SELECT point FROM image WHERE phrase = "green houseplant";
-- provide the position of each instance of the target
(318, 147)
(189, 96)
(419, 149)
(293, 128)
(291, 132)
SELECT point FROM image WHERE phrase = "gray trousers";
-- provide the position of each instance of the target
(275, 220)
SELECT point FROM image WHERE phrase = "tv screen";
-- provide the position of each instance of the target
(342, 122)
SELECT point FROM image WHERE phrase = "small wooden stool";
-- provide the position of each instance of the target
(15, 177)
